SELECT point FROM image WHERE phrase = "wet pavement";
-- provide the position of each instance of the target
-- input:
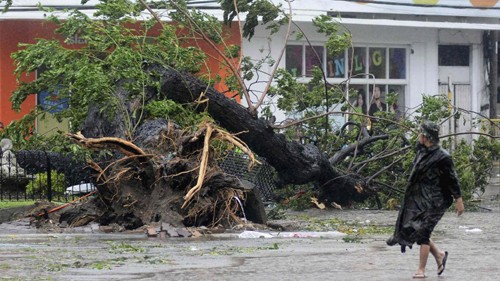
(472, 241)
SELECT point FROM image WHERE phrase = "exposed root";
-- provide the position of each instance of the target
(231, 206)
(178, 172)
(121, 174)
(100, 172)
(130, 150)
(212, 133)
(83, 220)
(203, 167)
(121, 145)
(222, 208)
(240, 144)
(130, 204)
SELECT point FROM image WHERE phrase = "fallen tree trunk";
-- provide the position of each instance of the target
(294, 162)
(160, 166)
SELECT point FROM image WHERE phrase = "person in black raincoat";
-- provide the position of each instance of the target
(432, 186)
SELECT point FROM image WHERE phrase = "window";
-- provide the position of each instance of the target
(357, 61)
(453, 55)
(379, 62)
(384, 67)
(336, 66)
(298, 55)
(367, 92)
(294, 60)
(397, 63)
(314, 57)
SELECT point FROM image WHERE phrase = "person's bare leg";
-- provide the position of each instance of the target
(424, 255)
(437, 253)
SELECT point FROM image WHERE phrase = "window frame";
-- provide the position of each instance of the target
(365, 78)
(365, 81)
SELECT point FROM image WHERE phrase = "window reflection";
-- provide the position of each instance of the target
(396, 101)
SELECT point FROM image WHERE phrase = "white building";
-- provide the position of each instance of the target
(413, 47)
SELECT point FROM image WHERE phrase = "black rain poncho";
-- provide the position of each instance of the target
(432, 185)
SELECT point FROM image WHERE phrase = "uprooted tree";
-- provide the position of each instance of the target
(151, 104)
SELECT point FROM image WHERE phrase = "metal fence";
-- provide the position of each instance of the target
(459, 96)
(496, 127)
(262, 176)
(495, 174)
(36, 174)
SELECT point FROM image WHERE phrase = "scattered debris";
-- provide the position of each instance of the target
(167, 230)
(314, 200)
(298, 234)
(471, 230)
(336, 206)
(254, 234)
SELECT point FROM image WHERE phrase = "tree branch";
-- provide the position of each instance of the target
(152, 13)
(470, 133)
(383, 170)
(342, 154)
(275, 68)
(396, 152)
(224, 57)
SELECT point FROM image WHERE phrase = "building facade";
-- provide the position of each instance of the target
(411, 47)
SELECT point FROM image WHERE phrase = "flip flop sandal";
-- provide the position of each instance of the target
(419, 276)
(442, 266)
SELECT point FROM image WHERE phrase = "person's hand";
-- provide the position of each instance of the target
(459, 206)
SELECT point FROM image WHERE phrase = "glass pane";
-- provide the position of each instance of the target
(314, 57)
(498, 95)
(397, 63)
(377, 99)
(336, 66)
(358, 98)
(453, 55)
(397, 98)
(358, 62)
(294, 60)
(377, 62)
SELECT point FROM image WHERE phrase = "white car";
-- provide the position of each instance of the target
(80, 188)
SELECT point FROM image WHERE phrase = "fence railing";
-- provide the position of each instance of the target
(36, 175)
(496, 127)
(262, 176)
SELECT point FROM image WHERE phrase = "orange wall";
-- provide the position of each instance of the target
(13, 32)
(215, 61)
